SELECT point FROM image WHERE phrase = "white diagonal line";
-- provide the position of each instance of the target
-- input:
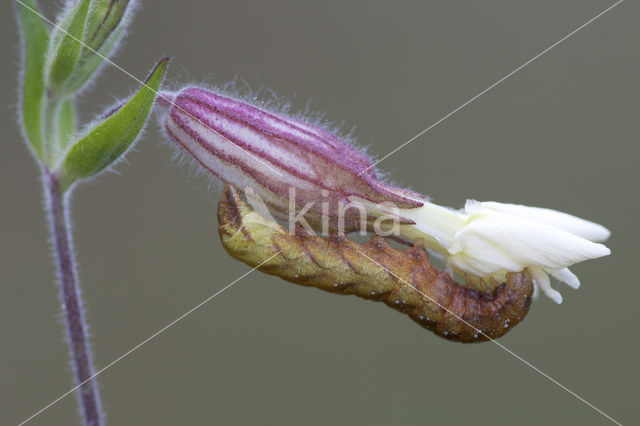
(158, 94)
(145, 341)
(492, 86)
(518, 357)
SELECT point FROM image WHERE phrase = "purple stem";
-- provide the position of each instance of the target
(88, 397)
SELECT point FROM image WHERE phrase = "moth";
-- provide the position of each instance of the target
(402, 279)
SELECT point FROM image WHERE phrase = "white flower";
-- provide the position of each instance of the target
(566, 222)
(489, 239)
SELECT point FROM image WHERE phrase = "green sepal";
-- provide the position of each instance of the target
(106, 25)
(104, 17)
(105, 143)
(66, 123)
(66, 48)
(35, 40)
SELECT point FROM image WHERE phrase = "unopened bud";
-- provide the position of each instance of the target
(247, 146)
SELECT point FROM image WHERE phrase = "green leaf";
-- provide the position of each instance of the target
(64, 55)
(35, 39)
(66, 123)
(108, 140)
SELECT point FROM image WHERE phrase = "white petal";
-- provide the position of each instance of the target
(439, 223)
(478, 255)
(566, 276)
(542, 279)
(527, 242)
(563, 221)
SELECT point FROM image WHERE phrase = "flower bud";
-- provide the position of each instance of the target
(64, 46)
(104, 18)
(89, 31)
(106, 26)
(284, 160)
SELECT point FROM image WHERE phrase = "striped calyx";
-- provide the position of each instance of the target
(280, 158)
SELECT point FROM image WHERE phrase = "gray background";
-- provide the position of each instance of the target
(562, 133)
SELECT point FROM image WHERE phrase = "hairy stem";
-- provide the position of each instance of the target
(88, 397)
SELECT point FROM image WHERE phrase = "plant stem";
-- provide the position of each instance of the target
(88, 397)
(52, 111)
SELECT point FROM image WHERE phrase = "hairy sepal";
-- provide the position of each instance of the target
(106, 26)
(66, 45)
(105, 142)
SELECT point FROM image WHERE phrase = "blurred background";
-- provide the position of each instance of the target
(561, 133)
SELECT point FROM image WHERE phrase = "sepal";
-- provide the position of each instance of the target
(66, 45)
(106, 140)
